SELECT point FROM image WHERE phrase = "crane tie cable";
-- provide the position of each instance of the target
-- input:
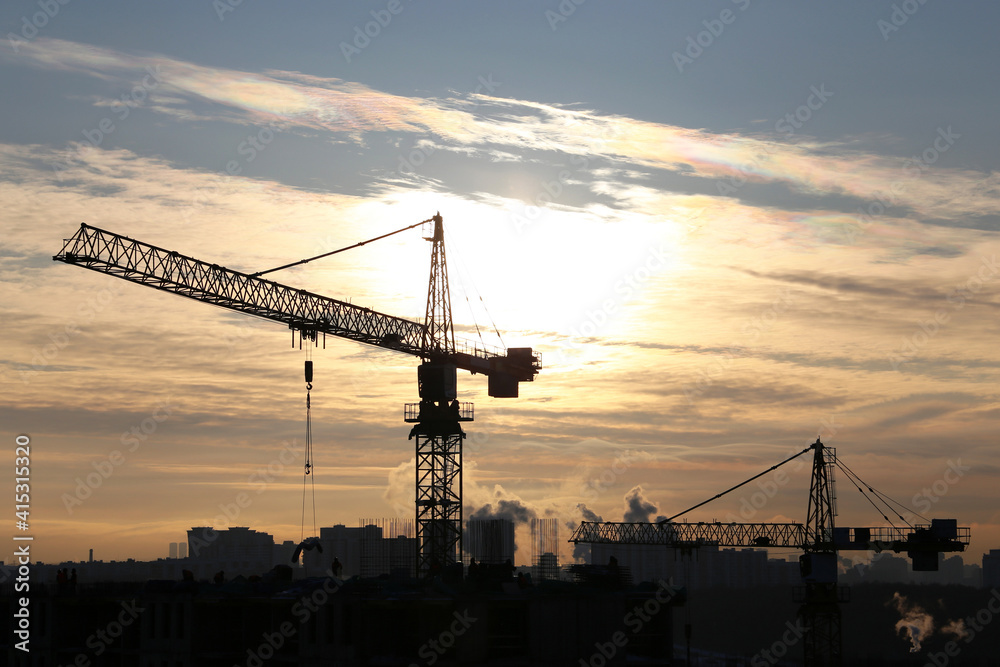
(888, 520)
(855, 479)
(334, 252)
(883, 498)
(778, 465)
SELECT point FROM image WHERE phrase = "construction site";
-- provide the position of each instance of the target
(442, 587)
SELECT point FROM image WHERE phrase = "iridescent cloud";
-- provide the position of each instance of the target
(882, 183)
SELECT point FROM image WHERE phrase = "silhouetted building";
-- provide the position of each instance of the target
(886, 567)
(704, 567)
(991, 569)
(237, 550)
(342, 543)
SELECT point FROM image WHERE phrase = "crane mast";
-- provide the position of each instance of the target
(440, 332)
(437, 429)
(436, 417)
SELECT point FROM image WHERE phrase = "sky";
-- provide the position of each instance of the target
(729, 228)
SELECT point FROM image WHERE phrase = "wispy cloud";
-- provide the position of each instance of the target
(899, 186)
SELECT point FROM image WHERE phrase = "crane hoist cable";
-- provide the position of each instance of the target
(309, 470)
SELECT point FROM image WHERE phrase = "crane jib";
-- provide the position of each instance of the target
(145, 264)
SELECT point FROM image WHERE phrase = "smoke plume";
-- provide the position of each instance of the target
(581, 552)
(506, 508)
(915, 622)
(588, 514)
(637, 507)
(956, 628)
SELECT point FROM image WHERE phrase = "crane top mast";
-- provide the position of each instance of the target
(439, 338)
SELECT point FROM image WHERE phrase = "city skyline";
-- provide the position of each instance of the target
(237, 550)
(491, 544)
(727, 227)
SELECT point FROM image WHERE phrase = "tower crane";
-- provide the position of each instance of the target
(436, 418)
(818, 538)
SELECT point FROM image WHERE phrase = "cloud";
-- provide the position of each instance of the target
(500, 126)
